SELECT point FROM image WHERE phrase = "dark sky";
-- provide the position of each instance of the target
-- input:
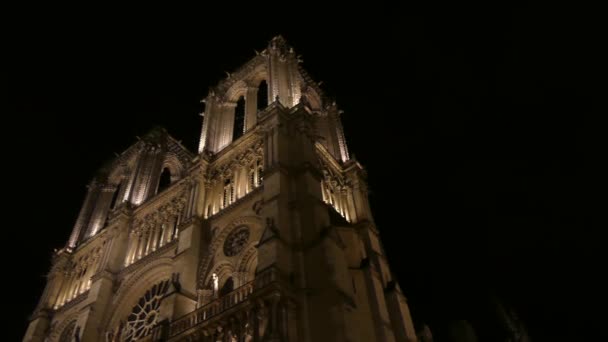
(477, 127)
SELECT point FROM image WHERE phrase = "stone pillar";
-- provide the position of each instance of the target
(84, 216)
(399, 312)
(377, 304)
(206, 296)
(359, 194)
(148, 165)
(226, 124)
(97, 302)
(156, 229)
(188, 253)
(130, 249)
(350, 204)
(209, 134)
(100, 214)
(130, 186)
(38, 327)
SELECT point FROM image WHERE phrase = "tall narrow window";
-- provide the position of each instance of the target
(262, 95)
(175, 227)
(239, 119)
(227, 288)
(227, 193)
(165, 179)
(114, 202)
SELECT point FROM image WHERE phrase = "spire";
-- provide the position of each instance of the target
(278, 42)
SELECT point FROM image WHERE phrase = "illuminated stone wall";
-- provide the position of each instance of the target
(265, 237)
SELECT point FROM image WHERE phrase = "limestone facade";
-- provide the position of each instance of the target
(264, 234)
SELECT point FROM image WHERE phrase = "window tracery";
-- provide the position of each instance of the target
(68, 333)
(145, 314)
(236, 241)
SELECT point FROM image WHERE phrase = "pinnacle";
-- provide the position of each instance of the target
(279, 39)
(279, 43)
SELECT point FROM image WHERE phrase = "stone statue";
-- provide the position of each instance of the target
(215, 283)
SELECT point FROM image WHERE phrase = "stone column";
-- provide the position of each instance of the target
(100, 213)
(359, 194)
(351, 205)
(84, 216)
(206, 296)
(130, 250)
(399, 312)
(226, 124)
(154, 235)
(38, 327)
(209, 134)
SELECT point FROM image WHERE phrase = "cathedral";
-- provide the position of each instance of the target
(263, 234)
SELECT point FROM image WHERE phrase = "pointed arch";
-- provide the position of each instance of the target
(133, 287)
(262, 95)
(254, 222)
(248, 262)
(67, 335)
(174, 165)
(164, 180)
(223, 270)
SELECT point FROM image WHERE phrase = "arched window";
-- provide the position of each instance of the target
(115, 201)
(239, 119)
(262, 95)
(228, 197)
(227, 288)
(165, 179)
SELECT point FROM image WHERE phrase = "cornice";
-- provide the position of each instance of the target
(153, 256)
(236, 203)
(72, 303)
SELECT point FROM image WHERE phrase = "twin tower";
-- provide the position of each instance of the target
(264, 234)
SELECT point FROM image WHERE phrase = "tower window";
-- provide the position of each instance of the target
(115, 196)
(165, 179)
(262, 95)
(239, 119)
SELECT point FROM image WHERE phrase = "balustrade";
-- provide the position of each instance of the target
(246, 314)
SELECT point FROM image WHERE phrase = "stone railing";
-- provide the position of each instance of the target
(246, 313)
(214, 308)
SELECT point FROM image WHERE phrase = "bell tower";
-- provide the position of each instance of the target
(265, 235)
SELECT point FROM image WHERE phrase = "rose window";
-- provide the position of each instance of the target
(145, 314)
(236, 241)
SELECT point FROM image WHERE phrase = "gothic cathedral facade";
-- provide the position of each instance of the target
(264, 234)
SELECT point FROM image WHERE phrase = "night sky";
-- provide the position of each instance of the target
(476, 126)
